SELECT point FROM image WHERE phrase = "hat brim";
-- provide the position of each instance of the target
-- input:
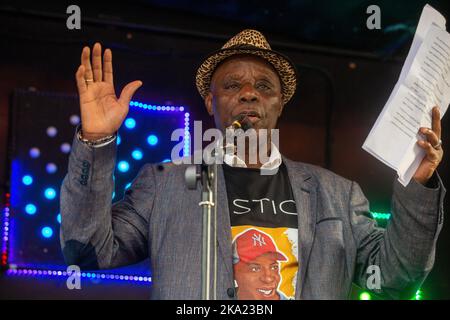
(282, 64)
(277, 256)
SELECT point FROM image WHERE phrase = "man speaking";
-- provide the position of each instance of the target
(300, 233)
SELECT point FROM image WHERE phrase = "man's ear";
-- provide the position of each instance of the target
(281, 107)
(208, 103)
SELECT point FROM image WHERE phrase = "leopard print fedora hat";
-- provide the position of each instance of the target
(248, 42)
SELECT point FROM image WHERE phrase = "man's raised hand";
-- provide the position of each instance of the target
(433, 148)
(102, 113)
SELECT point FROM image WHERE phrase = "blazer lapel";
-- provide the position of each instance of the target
(223, 221)
(305, 196)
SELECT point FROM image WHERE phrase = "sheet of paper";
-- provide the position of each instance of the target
(423, 83)
(428, 17)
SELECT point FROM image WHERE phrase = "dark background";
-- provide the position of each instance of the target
(346, 73)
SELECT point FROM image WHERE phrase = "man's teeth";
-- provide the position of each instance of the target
(266, 292)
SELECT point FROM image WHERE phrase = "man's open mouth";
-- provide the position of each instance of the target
(252, 116)
(265, 292)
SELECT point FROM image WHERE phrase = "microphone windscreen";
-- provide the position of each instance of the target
(246, 124)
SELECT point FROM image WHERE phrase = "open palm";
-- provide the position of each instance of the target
(102, 113)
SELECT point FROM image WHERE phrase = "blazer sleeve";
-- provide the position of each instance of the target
(404, 252)
(94, 233)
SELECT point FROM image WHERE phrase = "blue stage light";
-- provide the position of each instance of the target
(65, 147)
(146, 106)
(128, 186)
(137, 154)
(123, 166)
(47, 232)
(74, 119)
(50, 193)
(166, 160)
(59, 273)
(27, 180)
(52, 132)
(35, 152)
(130, 123)
(58, 218)
(51, 168)
(30, 209)
(152, 140)
(119, 140)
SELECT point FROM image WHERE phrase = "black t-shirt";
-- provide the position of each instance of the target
(264, 224)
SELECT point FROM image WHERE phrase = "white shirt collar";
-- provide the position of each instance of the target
(272, 164)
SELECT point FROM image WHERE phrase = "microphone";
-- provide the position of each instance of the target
(240, 122)
(227, 144)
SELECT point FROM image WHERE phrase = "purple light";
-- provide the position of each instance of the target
(62, 273)
(51, 168)
(35, 153)
(74, 119)
(52, 132)
(65, 147)
(148, 106)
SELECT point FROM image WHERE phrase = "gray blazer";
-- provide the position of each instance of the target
(161, 219)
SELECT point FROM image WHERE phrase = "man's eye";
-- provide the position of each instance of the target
(254, 269)
(275, 267)
(232, 86)
(263, 86)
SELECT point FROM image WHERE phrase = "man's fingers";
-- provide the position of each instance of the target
(81, 82)
(86, 62)
(432, 154)
(97, 62)
(436, 121)
(431, 136)
(107, 66)
(128, 91)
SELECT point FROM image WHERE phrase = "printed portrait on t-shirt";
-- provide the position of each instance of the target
(262, 271)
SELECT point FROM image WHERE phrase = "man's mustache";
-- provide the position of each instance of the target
(249, 113)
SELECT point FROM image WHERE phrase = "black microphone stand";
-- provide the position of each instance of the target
(207, 174)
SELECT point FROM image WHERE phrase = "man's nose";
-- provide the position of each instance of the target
(248, 94)
(267, 277)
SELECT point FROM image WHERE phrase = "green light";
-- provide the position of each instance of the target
(381, 215)
(365, 296)
(419, 295)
